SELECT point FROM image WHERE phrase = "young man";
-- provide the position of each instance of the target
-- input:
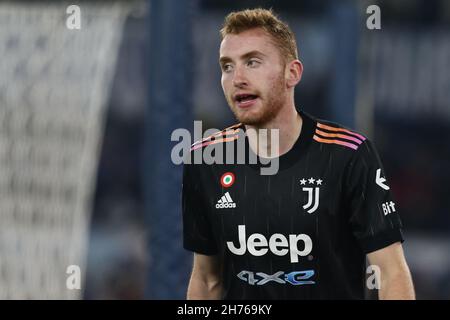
(305, 232)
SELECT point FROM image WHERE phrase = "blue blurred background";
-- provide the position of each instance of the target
(392, 84)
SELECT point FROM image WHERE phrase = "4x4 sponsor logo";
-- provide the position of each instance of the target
(295, 278)
(313, 189)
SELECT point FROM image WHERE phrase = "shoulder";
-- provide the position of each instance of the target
(334, 134)
(228, 134)
(347, 146)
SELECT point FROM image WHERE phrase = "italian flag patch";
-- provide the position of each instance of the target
(227, 179)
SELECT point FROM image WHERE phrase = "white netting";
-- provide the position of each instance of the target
(54, 84)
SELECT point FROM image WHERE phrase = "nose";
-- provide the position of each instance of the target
(239, 79)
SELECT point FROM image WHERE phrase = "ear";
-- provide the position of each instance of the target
(293, 73)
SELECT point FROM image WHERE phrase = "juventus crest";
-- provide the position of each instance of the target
(312, 187)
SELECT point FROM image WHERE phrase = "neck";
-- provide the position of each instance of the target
(264, 142)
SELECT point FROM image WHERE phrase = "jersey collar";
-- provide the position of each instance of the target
(297, 151)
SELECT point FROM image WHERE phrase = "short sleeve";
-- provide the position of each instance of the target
(197, 230)
(374, 216)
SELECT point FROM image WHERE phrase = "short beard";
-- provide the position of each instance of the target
(269, 110)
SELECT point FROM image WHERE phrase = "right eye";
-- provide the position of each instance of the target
(227, 67)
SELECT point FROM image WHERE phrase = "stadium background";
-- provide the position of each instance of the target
(86, 118)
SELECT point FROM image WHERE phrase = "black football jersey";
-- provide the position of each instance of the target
(302, 233)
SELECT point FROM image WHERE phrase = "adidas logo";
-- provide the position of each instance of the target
(225, 202)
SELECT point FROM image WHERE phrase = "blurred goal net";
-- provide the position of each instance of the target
(54, 85)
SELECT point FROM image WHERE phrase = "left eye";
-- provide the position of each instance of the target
(252, 63)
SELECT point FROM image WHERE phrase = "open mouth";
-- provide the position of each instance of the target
(245, 100)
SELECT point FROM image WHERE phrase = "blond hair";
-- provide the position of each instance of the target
(282, 35)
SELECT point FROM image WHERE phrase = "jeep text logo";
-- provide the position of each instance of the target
(278, 244)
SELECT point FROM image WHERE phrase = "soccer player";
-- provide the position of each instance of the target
(304, 232)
